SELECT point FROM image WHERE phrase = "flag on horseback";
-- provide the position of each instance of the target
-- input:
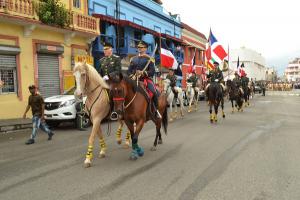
(214, 52)
(192, 67)
(167, 58)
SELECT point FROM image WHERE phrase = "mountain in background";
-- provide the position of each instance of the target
(281, 62)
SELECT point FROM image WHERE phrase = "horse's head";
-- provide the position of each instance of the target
(118, 93)
(80, 72)
(166, 84)
(189, 87)
(87, 79)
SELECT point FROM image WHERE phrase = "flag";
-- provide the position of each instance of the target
(214, 51)
(241, 70)
(167, 59)
(193, 63)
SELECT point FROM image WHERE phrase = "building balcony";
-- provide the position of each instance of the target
(24, 12)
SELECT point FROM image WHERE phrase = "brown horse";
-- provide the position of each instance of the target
(91, 84)
(131, 105)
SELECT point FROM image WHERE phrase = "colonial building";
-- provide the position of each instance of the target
(41, 53)
(194, 49)
(292, 72)
(254, 62)
(125, 22)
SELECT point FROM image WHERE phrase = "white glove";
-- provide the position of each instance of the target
(105, 78)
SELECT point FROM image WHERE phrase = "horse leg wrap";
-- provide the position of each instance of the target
(128, 136)
(103, 147)
(89, 154)
(118, 135)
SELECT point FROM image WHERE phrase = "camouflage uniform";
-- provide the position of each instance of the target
(109, 65)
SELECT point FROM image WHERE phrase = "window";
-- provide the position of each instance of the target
(8, 76)
(76, 3)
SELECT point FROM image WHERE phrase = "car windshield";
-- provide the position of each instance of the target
(70, 91)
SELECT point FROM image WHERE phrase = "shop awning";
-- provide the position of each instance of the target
(106, 18)
(188, 43)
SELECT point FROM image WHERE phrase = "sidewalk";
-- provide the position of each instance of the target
(12, 125)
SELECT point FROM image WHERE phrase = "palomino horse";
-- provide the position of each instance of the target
(190, 93)
(132, 106)
(215, 97)
(170, 97)
(235, 94)
(91, 84)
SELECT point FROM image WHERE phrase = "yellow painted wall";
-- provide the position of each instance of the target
(10, 105)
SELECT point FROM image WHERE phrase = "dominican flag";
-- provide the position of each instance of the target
(167, 59)
(214, 51)
(193, 63)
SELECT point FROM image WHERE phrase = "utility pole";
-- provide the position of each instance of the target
(118, 28)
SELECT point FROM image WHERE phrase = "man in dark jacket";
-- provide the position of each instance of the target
(37, 105)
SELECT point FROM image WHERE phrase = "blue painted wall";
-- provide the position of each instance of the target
(143, 12)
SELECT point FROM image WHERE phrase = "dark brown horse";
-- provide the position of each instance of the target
(215, 98)
(132, 105)
(235, 94)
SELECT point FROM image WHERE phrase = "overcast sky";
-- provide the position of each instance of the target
(268, 27)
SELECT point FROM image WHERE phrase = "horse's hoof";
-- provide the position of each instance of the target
(223, 116)
(101, 155)
(160, 142)
(133, 157)
(126, 145)
(87, 165)
(171, 119)
(211, 121)
(119, 142)
(140, 151)
(153, 148)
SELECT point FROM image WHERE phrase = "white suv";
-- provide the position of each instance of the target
(62, 108)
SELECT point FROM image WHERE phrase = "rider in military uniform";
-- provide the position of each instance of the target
(214, 74)
(136, 68)
(193, 79)
(244, 80)
(109, 63)
(173, 79)
(237, 81)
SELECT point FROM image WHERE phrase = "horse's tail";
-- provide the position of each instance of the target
(165, 119)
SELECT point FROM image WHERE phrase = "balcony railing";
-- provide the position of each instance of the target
(85, 23)
(26, 9)
(22, 8)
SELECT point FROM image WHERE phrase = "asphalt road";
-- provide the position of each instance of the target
(254, 155)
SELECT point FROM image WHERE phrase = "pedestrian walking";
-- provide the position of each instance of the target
(37, 105)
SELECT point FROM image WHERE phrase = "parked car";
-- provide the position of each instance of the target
(258, 89)
(62, 108)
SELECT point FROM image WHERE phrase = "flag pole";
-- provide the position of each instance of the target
(228, 63)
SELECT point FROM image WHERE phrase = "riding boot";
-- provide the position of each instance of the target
(155, 102)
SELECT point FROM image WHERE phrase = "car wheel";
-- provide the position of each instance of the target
(85, 121)
(53, 124)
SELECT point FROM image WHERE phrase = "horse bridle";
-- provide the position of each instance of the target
(89, 110)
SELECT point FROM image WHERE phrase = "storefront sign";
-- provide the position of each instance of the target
(81, 58)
